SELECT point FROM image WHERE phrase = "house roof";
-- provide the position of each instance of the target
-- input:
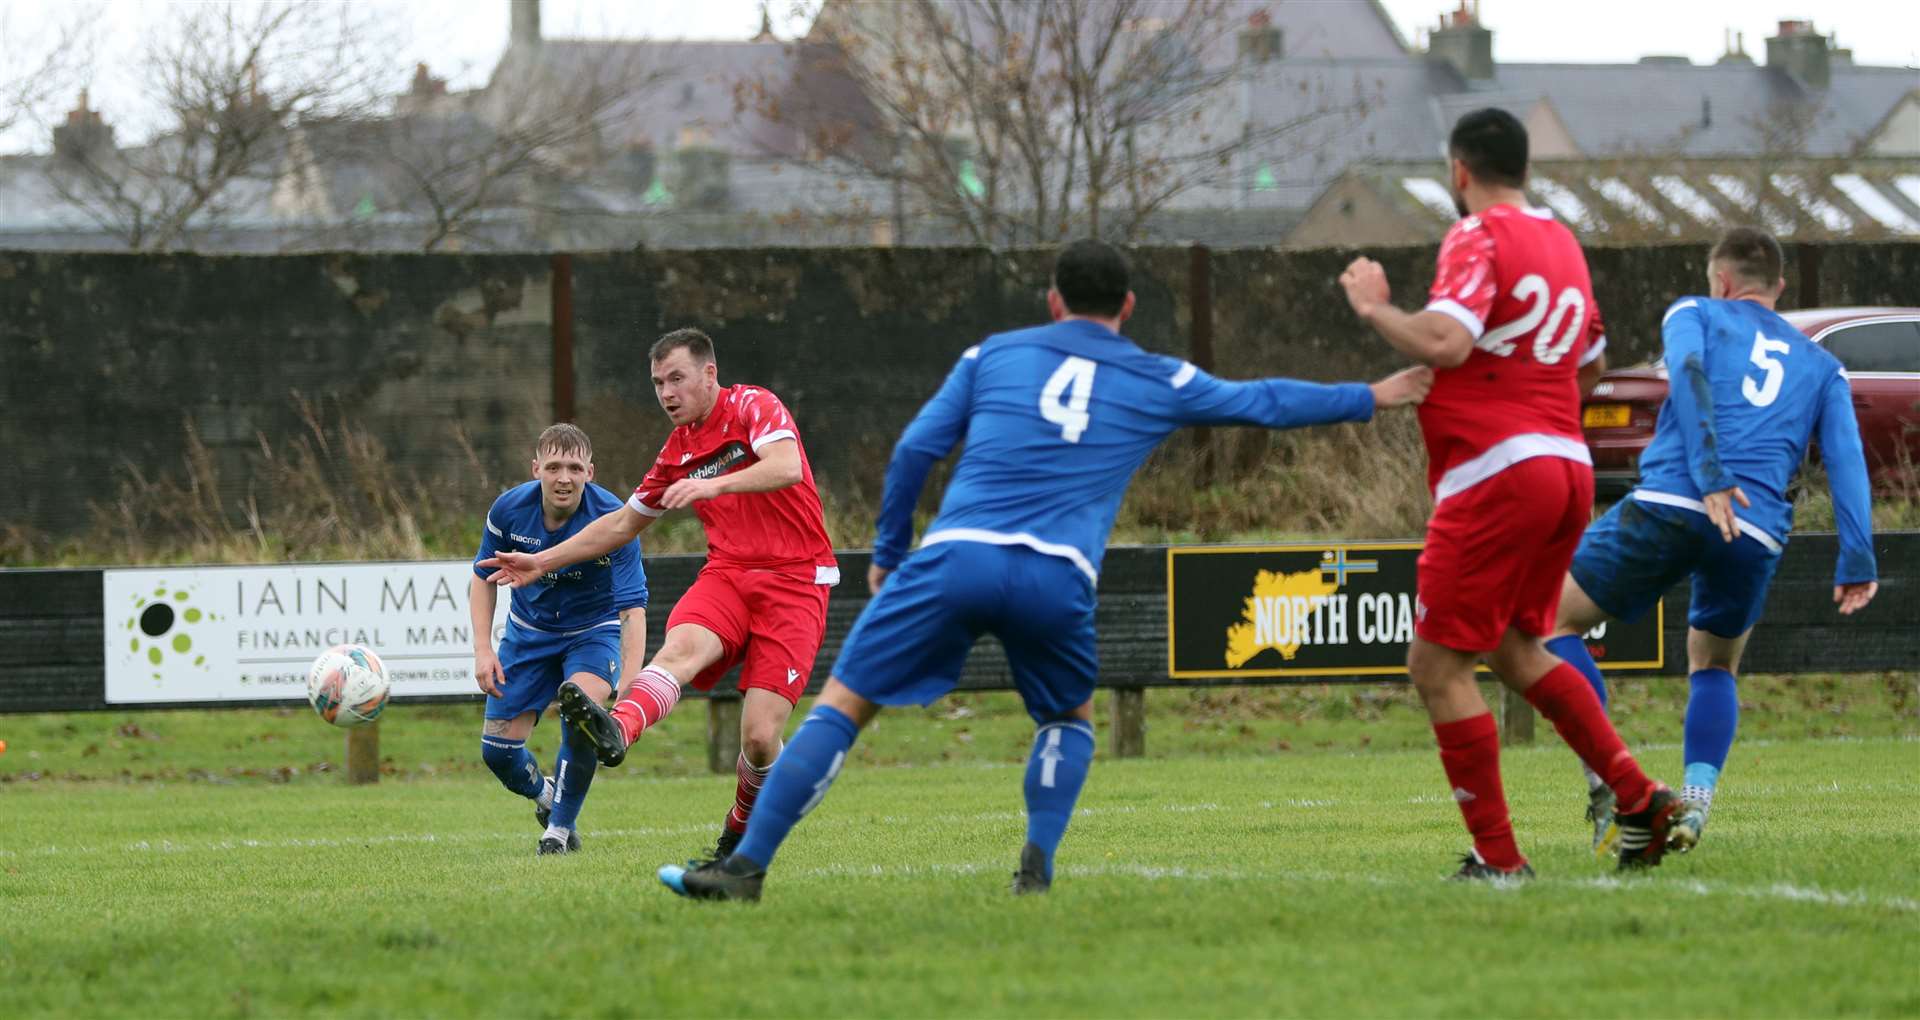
(1627, 199)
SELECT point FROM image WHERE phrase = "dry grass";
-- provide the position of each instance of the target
(332, 493)
(1896, 500)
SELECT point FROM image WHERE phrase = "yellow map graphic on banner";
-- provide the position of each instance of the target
(1278, 613)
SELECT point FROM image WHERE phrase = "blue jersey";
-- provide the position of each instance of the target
(1056, 419)
(1746, 393)
(584, 595)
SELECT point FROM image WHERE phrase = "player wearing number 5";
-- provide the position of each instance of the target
(1055, 421)
(1511, 325)
(1746, 394)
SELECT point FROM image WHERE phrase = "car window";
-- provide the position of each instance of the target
(1877, 346)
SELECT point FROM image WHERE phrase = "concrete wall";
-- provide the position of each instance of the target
(104, 358)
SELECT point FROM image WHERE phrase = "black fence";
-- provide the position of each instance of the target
(52, 652)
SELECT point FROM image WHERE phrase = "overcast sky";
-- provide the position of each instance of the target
(461, 39)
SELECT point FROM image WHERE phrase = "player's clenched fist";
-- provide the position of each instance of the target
(1407, 386)
(1366, 285)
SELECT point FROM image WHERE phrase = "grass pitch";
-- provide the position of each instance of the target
(1225, 876)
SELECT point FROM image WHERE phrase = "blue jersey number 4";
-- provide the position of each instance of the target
(1069, 409)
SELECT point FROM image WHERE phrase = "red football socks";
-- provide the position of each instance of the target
(1470, 752)
(652, 696)
(1568, 701)
(746, 792)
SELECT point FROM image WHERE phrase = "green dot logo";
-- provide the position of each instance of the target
(161, 628)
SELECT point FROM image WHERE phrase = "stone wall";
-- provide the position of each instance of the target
(447, 359)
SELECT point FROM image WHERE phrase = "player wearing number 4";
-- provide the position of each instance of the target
(1511, 325)
(734, 458)
(580, 627)
(1055, 421)
(1746, 393)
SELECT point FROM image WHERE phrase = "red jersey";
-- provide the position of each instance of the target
(783, 530)
(1516, 278)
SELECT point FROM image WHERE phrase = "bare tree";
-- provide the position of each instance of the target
(1023, 122)
(40, 68)
(231, 78)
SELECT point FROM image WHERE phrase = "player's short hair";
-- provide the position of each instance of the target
(1493, 145)
(1091, 276)
(564, 437)
(698, 344)
(1749, 253)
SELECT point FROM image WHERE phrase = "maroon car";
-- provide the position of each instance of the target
(1880, 348)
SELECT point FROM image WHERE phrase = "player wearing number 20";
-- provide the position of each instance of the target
(1055, 421)
(1512, 326)
(1746, 393)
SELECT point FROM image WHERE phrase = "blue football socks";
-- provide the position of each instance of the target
(1572, 650)
(572, 774)
(1062, 754)
(1713, 716)
(800, 778)
(514, 764)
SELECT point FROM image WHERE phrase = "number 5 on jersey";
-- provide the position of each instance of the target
(1069, 413)
(1768, 389)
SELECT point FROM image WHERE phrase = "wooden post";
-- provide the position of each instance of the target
(1516, 718)
(363, 754)
(723, 732)
(1129, 722)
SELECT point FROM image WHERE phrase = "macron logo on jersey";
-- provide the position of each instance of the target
(524, 539)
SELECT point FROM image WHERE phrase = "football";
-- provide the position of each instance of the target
(348, 685)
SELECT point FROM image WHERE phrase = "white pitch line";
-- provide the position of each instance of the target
(1177, 873)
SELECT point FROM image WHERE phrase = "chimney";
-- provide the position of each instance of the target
(1800, 52)
(766, 23)
(1736, 49)
(425, 84)
(1463, 43)
(526, 22)
(1260, 41)
(84, 134)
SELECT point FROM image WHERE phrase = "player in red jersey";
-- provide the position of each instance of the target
(760, 603)
(1513, 331)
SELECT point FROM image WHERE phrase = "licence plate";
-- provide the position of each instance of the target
(1606, 416)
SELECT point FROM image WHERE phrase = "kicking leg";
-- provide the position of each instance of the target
(689, 648)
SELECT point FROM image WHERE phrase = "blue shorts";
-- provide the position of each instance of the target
(1635, 552)
(912, 640)
(536, 661)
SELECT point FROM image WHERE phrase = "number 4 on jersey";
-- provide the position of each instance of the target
(1071, 413)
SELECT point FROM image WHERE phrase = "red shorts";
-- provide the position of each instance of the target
(1497, 554)
(769, 624)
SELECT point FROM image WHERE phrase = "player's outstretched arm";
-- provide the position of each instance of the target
(1431, 338)
(603, 536)
(1846, 463)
